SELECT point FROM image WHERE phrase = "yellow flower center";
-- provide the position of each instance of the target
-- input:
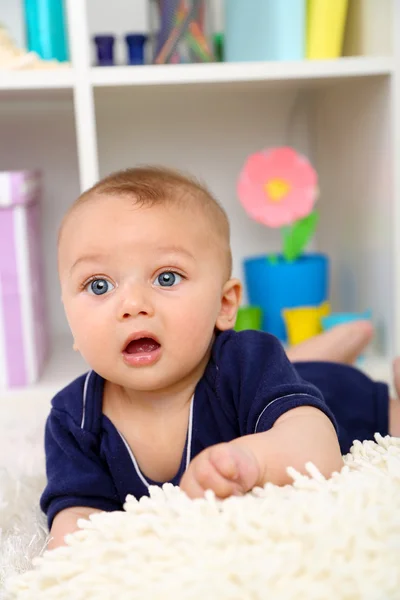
(276, 189)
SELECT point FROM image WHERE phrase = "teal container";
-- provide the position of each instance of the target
(257, 30)
(340, 318)
(46, 29)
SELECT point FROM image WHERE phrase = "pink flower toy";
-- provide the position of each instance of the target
(278, 188)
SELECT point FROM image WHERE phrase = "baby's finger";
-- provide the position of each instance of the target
(237, 464)
(223, 458)
(191, 487)
(203, 476)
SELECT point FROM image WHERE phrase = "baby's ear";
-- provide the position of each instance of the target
(230, 302)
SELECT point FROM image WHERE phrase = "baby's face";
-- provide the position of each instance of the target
(142, 288)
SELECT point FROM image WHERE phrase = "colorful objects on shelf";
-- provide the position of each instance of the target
(278, 188)
(248, 317)
(46, 29)
(24, 341)
(136, 45)
(257, 30)
(182, 36)
(326, 22)
(104, 50)
(304, 322)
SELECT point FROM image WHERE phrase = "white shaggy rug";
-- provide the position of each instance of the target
(315, 540)
(23, 529)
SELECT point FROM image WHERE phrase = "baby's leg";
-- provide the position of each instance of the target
(342, 344)
(361, 406)
(394, 403)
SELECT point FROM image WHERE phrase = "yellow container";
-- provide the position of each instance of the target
(326, 22)
(304, 322)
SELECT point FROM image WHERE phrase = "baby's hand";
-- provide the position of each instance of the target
(226, 469)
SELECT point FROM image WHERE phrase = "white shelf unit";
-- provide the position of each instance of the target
(47, 80)
(80, 123)
(249, 73)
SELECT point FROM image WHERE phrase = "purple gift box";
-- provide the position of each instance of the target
(24, 334)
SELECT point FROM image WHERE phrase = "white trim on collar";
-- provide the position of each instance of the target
(85, 390)
(188, 448)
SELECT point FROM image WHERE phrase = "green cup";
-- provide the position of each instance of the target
(248, 317)
(219, 46)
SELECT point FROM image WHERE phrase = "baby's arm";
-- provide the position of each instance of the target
(304, 434)
(79, 482)
(65, 522)
(282, 421)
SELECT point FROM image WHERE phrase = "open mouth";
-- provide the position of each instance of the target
(143, 345)
(141, 349)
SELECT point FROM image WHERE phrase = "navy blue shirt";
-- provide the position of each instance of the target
(247, 385)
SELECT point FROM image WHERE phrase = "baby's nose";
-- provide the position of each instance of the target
(135, 301)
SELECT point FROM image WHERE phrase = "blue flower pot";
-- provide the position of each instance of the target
(277, 285)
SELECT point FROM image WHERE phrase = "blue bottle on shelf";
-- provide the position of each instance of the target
(46, 29)
(135, 45)
(105, 50)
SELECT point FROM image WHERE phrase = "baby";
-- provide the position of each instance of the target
(174, 394)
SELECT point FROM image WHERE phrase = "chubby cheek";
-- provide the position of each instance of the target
(192, 326)
(90, 331)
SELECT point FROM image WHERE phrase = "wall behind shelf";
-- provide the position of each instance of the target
(369, 28)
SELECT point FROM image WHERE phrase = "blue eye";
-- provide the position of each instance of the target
(168, 279)
(99, 287)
